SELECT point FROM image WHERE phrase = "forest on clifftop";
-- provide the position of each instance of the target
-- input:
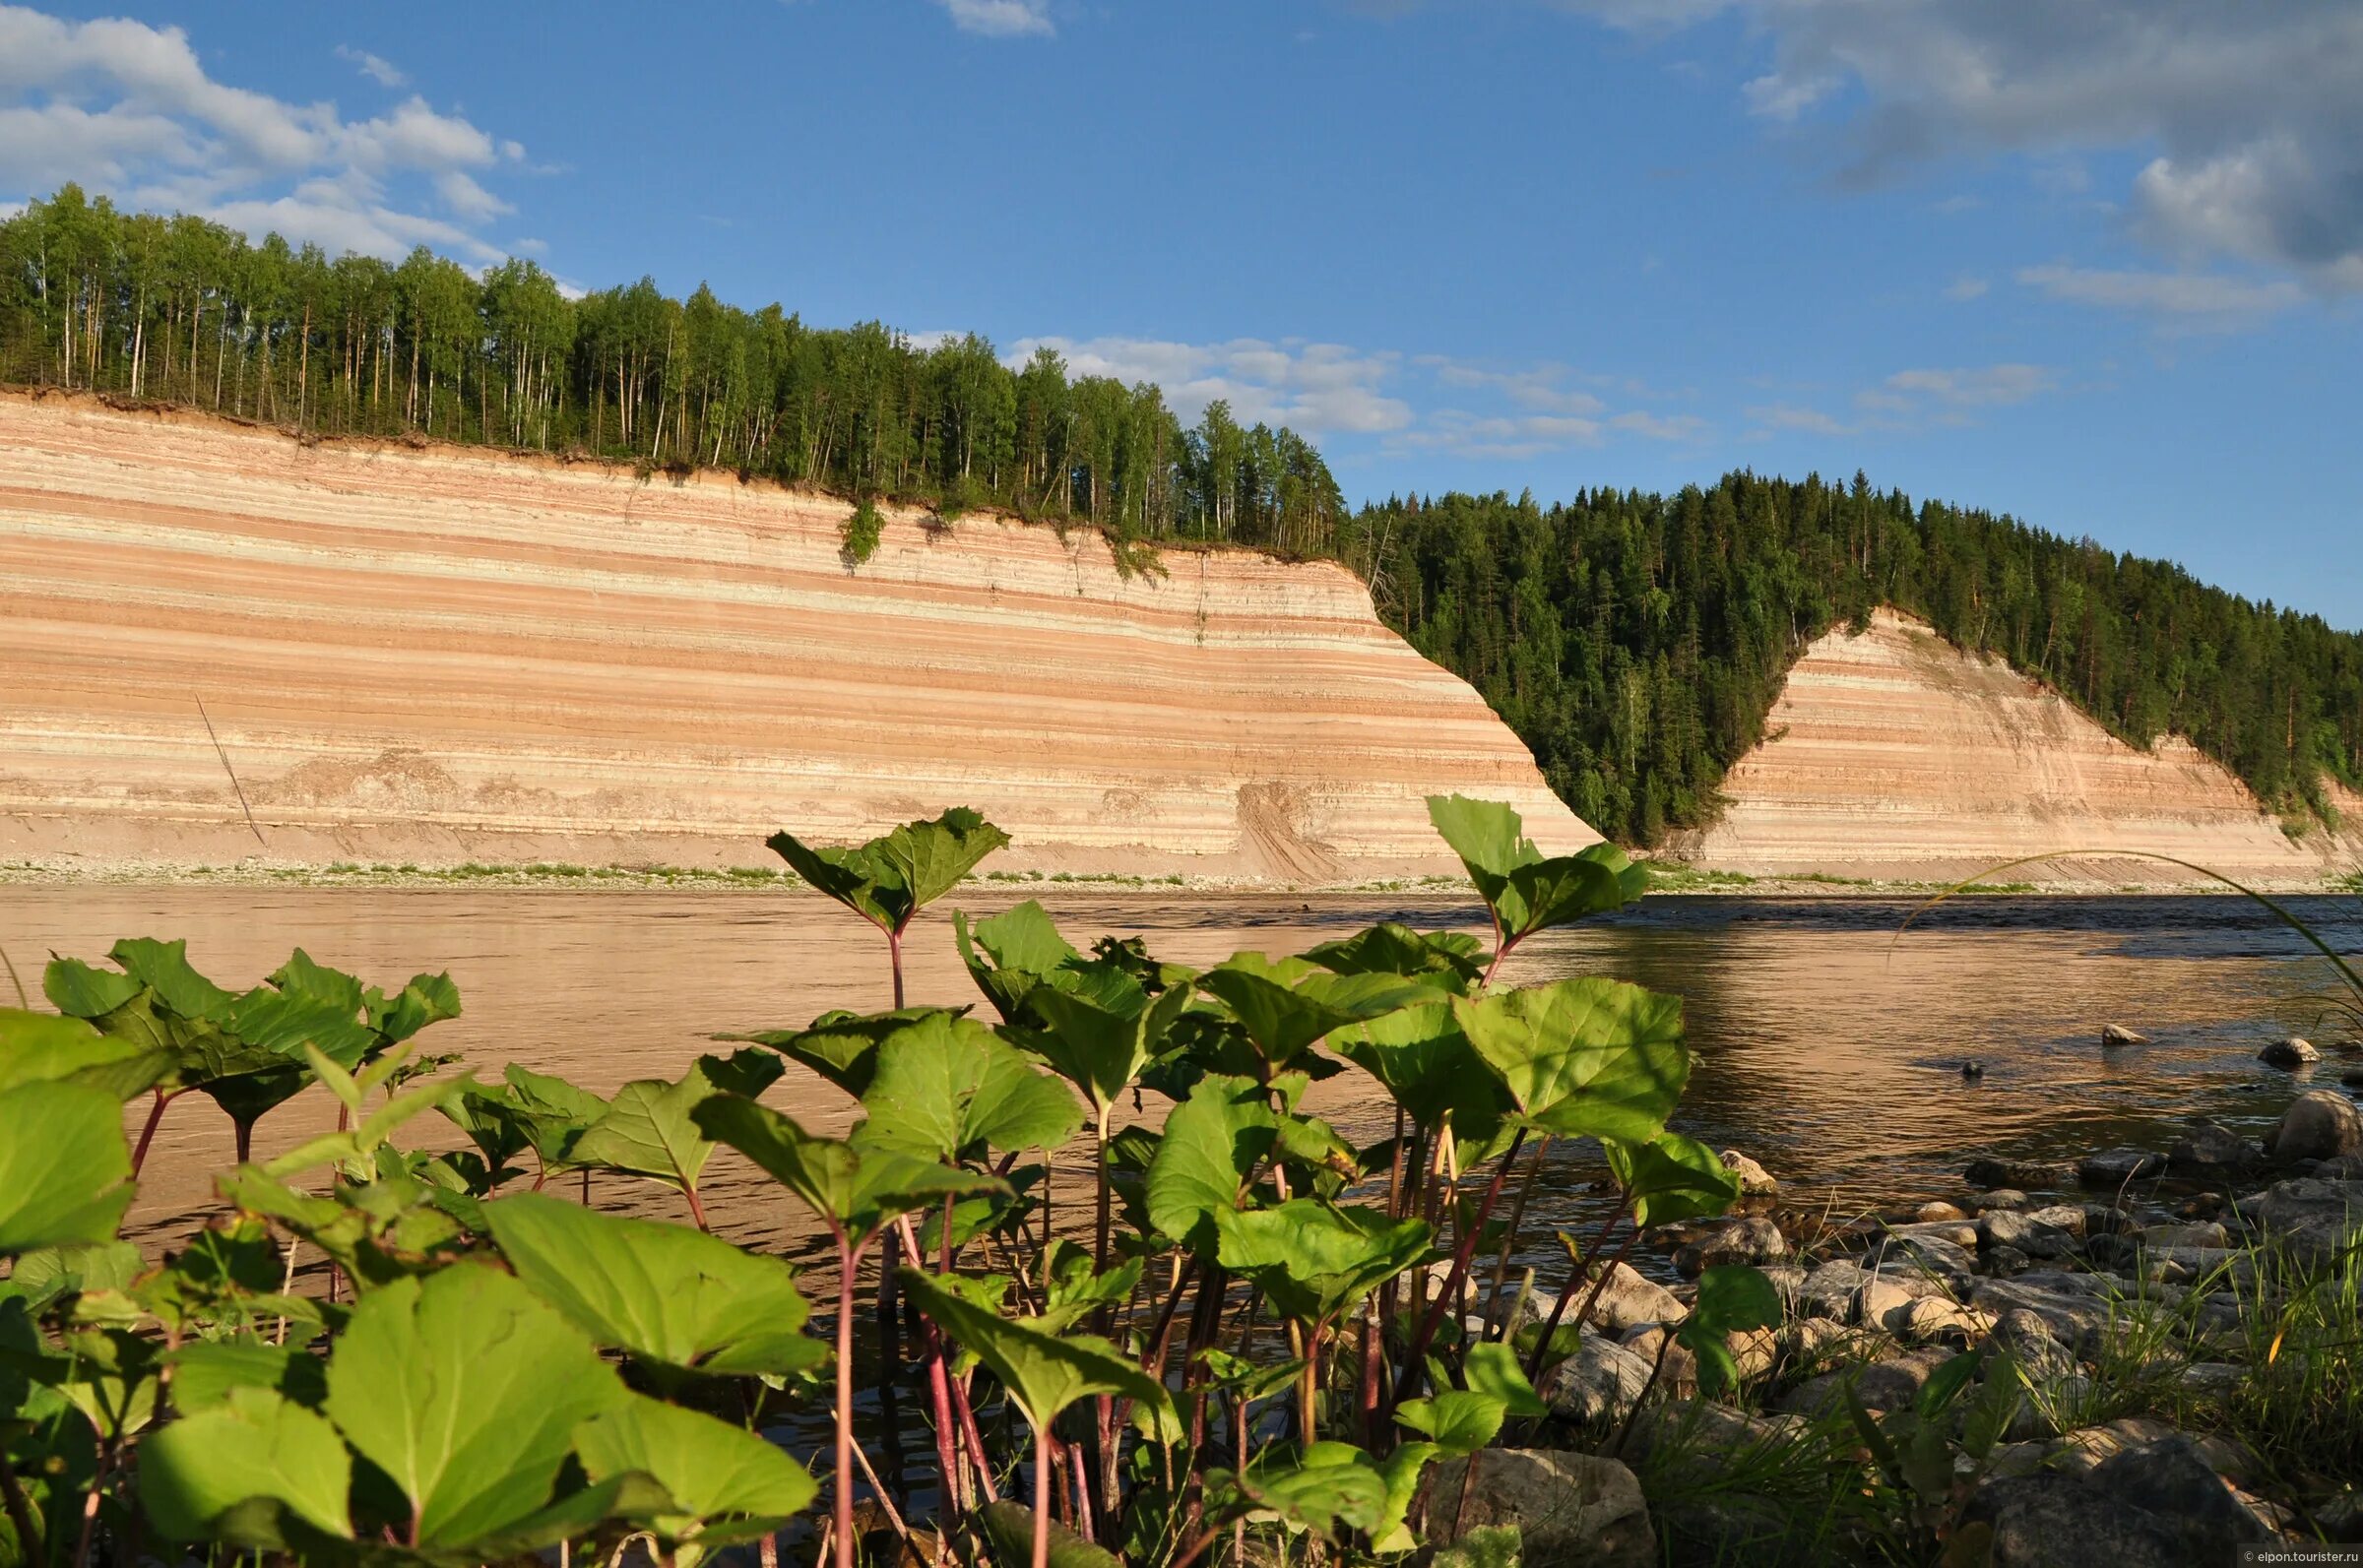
(1634, 642)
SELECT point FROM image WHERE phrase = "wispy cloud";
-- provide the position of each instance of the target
(376, 67)
(1963, 289)
(2201, 300)
(1001, 19)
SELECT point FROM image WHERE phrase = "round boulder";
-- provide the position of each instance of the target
(1754, 1179)
(2319, 1124)
(2290, 1053)
(2115, 1034)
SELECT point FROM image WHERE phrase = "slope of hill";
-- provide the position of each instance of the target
(1893, 754)
(437, 654)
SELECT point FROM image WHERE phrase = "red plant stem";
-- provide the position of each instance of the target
(1372, 1434)
(156, 1114)
(697, 1210)
(245, 1141)
(847, 1257)
(1042, 1498)
(1082, 1486)
(894, 958)
(1575, 1279)
(1414, 1368)
(939, 1397)
(975, 1443)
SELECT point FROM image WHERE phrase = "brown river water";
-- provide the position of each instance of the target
(1827, 1045)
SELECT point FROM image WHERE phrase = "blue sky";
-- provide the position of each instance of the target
(2093, 263)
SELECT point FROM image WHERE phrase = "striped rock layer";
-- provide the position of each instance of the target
(435, 655)
(1894, 754)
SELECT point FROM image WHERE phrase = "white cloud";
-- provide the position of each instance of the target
(2203, 297)
(128, 110)
(1796, 416)
(376, 67)
(1316, 388)
(1989, 386)
(1966, 288)
(1659, 426)
(2246, 112)
(1001, 19)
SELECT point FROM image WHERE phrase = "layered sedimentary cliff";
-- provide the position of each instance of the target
(1893, 754)
(438, 655)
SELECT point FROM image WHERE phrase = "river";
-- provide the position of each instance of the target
(1827, 1045)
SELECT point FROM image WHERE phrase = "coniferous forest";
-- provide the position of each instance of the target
(1634, 642)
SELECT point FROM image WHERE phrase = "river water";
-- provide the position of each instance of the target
(1828, 1045)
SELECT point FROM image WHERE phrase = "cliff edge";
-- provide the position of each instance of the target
(1895, 755)
(434, 654)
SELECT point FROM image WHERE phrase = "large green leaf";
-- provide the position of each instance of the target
(554, 1112)
(1212, 1141)
(1527, 891)
(1102, 1052)
(208, 1372)
(465, 1389)
(53, 1047)
(1671, 1179)
(889, 879)
(842, 1046)
(65, 1170)
(1421, 1057)
(665, 1292)
(713, 1474)
(1452, 960)
(1014, 954)
(947, 1088)
(1324, 1485)
(1465, 1419)
(1044, 1372)
(1315, 1259)
(223, 1469)
(1583, 1057)
(1287, 1004)
(856, 1189)
(649, 1130)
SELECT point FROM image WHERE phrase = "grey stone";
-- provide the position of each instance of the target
(1935, 1322)
(2319, 1124)
(1830, 1290)
(2026, 1337)
(1630, 1298)
(2001, 1261)
(2118, 1035)
(1681, 1372)
(2077, 1218)
(2211, 1379)
(1879, 1386)
(2315, 1218)
(1754, 1179)
(1600, 1382)
(2206, 1234)
(2018, 1173)
(2076, 1318)
(2290, 1053)
(1753, 1241)
(2114, 1167)
(2003, 1197)
(1572, 1510)
(1923, 1262)
(2026, 1233)
(1960, 1233)
(2172, 1480)
(2352, 1078)
(2054, 1520)
(2211, 1148)
(1883, 1303)
(2346, 1167)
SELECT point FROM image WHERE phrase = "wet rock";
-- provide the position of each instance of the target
(1754, 1179)
(2211, 1148)
(2315, 1218)
(2319, 1124)
(2346, 1167)
(1923, 1264)
(2290, 1053)
(1630, 1298)
(1681, 1373)
(2352, 1078)
(1829, 1291)
(1936, 1212)
(2018, 1173)
(1570, 1508)
(2114, 1167)
(1955, 1232)
(1879, 1386)
(2202, 1206)
(2036, 1238)
(2072, 1306)
(1599, 1384)
(2116, 1034)
(1756, 1240)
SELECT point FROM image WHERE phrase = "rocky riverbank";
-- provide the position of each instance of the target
(2144, 1356)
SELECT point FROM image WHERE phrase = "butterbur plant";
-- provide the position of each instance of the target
(1251, 1340)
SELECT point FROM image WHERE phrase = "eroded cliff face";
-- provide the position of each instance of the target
(1895, 755)
(439, 655)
